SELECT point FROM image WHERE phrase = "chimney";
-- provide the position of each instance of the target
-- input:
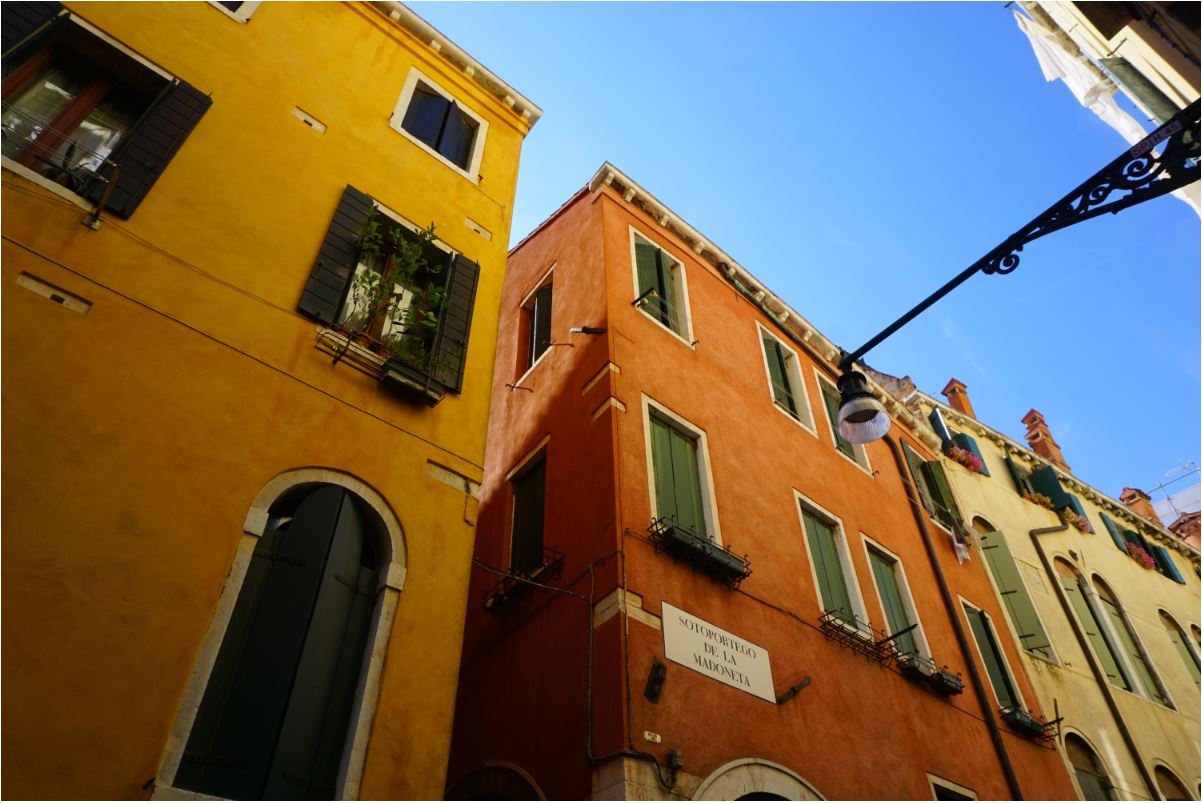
(957, 396)
(1040, 439)
(1140, 503)
(1189, 527)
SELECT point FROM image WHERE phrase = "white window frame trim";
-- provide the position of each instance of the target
(857, 448)
(1018, 692)
(546, 279)
(951, 785)
(686, 308)
(472, 173)
(920, 636)
(242, 15)
(800, 502)
(796, 377)
(704, 471)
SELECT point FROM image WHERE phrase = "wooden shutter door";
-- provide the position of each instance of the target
(687, 482)
(920, 481)
(1014, 594)
(449, 355)
(336, 260)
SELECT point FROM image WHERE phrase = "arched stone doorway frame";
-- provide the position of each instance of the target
(745, 775)
(392, 581)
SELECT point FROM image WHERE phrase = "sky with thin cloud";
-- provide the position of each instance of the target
(854, 157)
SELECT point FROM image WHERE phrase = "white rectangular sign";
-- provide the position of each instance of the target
(715, 653)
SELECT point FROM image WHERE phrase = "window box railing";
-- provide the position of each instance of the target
(924, 672)
(857, 636)
(699, 551)
(1027, 724)
(356, 350)
(515, 585)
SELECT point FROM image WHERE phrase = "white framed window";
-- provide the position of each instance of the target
(897, 604)
(678, 472)
(989, 649)
(784, 379)
(943, 789)
(235, 10)
(660, 289)
(834, 576)
(534, 325)
(434, 120)
(855, 452)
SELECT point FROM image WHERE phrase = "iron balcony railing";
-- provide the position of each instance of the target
(515, 585)
(699, 551)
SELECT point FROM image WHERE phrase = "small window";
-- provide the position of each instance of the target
(896, 602)
(946, 790)
(1182, 645)
(1170, 785)
(1090, 622)
(833, 573)
(852, 451)
(983, 632)
(529, 500)
(1130, 644)
(77, 106)
(535, 326)
(784, 379)
(679, 474)
(1024, 619)
(659, 286)
(1091, 775)
(235, 9)
(434, 119)
(934, 491)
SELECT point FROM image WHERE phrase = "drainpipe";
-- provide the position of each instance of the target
(995, 734)
(1094, 665)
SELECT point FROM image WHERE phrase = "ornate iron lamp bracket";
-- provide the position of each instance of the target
(1138, 174)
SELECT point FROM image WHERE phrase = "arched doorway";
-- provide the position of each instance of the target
(495, 782)
(755, 779)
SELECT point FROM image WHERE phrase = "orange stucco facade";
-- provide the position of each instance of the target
(552, 689)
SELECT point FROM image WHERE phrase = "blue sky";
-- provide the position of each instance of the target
(855, 156)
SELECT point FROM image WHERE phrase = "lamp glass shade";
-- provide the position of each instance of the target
(863, 420)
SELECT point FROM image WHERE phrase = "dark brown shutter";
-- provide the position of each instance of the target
(450, 347)
(151, 145)
(19, 21)
(335, 265)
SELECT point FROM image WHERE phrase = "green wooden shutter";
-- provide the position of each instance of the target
(449, 353)
(1138, 660)
(1187, 655)
(832, 585)
(1044, 480)
(936, 419)
(1162, 557)
(336, 260)
(831, 398)
(884, 571)
(777, 368)
(677, 477)
(646, 267)
(919, 476)
(529, 501)
(1007, 578)
(1115, 535)
(941, 491)
(991, 654)
(1017, 476)
(670, 305)
(968, 442)
(1094, 633)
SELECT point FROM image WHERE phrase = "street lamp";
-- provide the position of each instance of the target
(1137, 175)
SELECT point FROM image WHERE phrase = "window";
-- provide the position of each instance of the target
(679, 467)
(421, 319)
(1091, 775)
(969, 444)
(76, 106)
(834, 577)
(1098, 638)
(933, 489)
(784, 378)
(1013, 593)
(235, 9)
(529, 498)
(946, 790)
(1170, 786)
(659, 286)
(991, 654)
(852, 451)
(1181, 644)
(896, 602)
(429, 116)
(276, 711)
(1130, 643)
(535, 325)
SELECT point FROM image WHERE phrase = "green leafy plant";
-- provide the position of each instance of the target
(397, 295)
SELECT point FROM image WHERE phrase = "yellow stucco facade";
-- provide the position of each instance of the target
(1162, 736)
(146, 434)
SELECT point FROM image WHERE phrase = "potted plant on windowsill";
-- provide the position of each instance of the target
(1036, 498)
(965, 458)
(1140, 555)
(1080, 522)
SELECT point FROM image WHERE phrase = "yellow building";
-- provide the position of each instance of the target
(244, 418)
(1103, 602)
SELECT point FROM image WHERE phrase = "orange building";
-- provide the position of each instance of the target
(686, 586)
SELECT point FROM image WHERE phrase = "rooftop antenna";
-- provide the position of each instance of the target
(1177, 474)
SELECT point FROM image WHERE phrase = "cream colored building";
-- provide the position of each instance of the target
(1110, 643)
